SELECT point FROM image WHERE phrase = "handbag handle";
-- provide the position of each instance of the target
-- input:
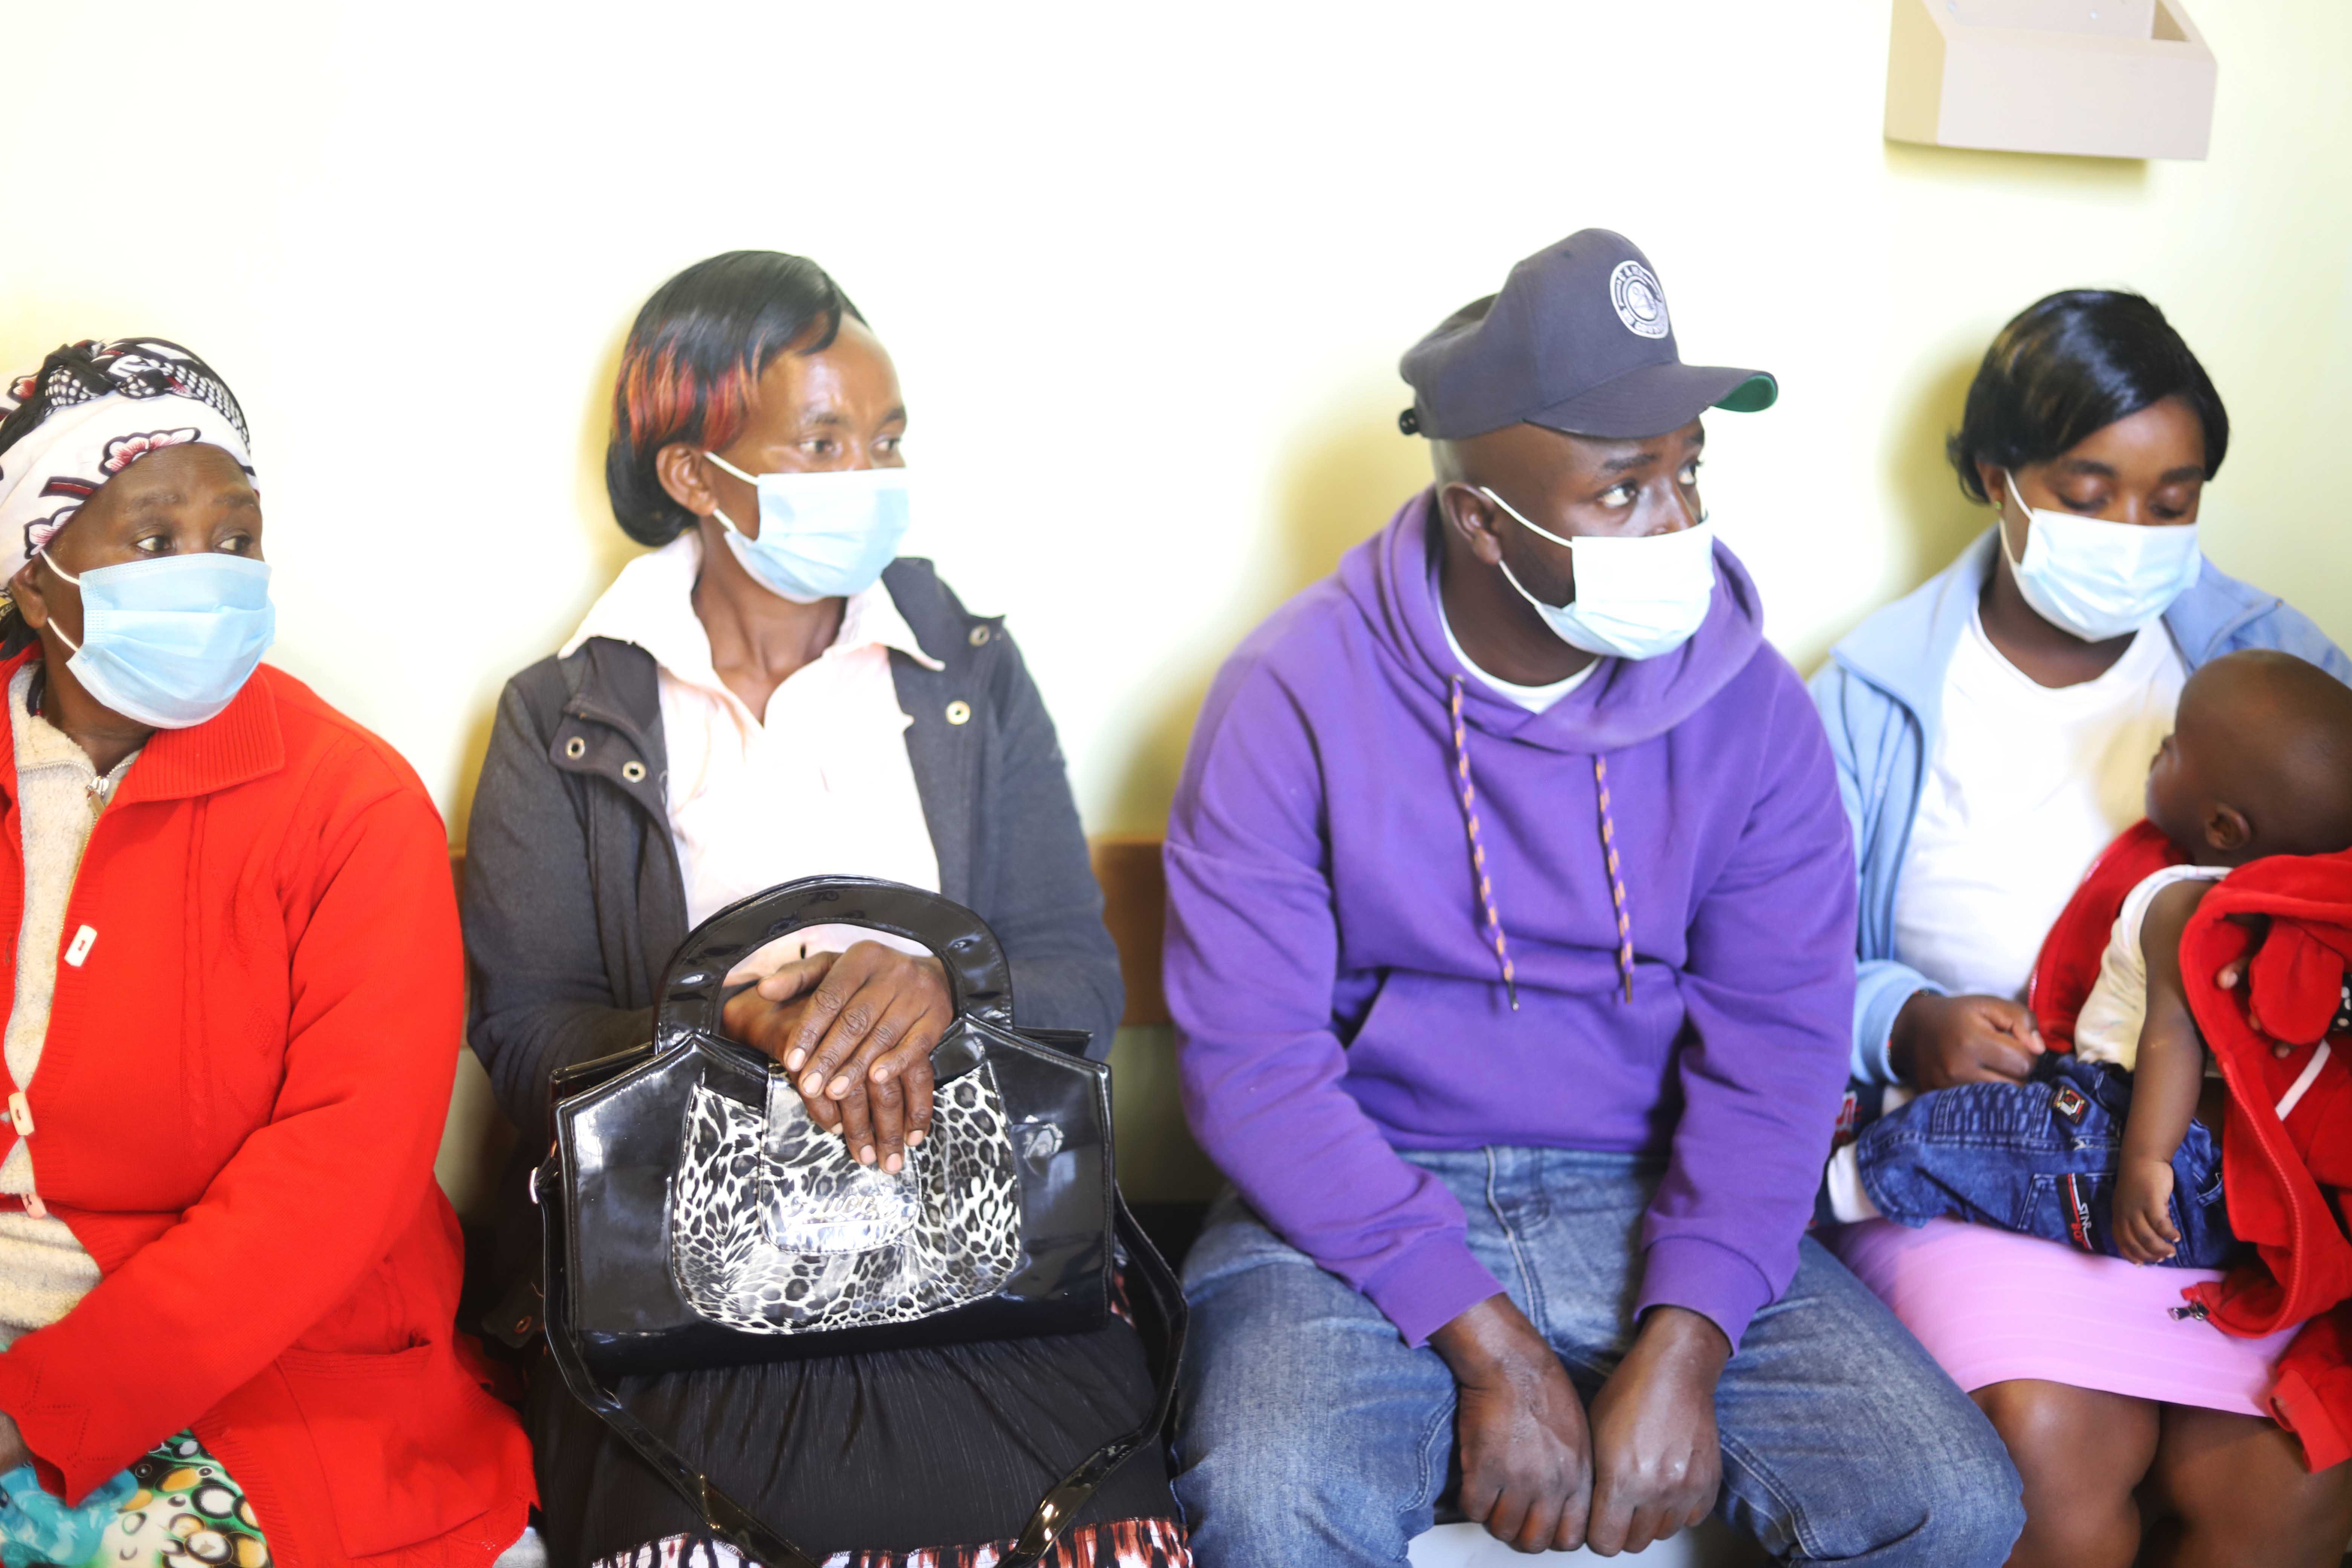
(692, 992)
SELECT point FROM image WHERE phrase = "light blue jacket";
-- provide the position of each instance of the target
(1880, 695)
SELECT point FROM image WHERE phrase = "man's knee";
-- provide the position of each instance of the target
(1934, 1491)
(1952, 1501)
(1267, 1491)
(1970, 1513)
(1308, 1427)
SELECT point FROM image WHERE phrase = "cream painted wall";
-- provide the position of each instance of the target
(1146, 271)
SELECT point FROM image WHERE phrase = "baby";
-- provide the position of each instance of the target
(2117, 1148)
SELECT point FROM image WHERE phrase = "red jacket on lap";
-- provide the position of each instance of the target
(2288, 1182)
(236, 1112)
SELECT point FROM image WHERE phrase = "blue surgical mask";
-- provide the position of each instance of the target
(2100, 580)
(821, 535)
(1635, 598)
(171, 642)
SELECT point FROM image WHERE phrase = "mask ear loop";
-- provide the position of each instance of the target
(1570, 544)
(1521, 518)
(50, 562)
(2015, 562)
(1509, 575)
(724, 520)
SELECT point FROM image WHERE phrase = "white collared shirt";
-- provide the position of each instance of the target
(821, 783)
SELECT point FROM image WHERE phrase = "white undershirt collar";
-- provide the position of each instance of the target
(1534, 699)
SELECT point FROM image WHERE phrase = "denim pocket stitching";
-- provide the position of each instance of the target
(1527, 1280)
(1790, 1509)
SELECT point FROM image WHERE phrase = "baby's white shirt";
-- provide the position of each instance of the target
(2107, 1030)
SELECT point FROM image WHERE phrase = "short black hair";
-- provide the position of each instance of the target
(693, 359)
(2070, 365)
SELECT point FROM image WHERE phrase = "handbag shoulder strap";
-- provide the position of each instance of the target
(770, 1548)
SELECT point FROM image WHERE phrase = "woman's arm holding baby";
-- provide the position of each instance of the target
(2165, 1083)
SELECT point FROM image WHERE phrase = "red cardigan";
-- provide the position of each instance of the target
(2289, 1182)
(236, 1111)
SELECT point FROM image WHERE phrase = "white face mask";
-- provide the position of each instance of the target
(170, 641)
(822, 535)
(1635, 598)
(2101, 580)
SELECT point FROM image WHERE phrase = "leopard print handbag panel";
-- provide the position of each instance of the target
(775, 1229)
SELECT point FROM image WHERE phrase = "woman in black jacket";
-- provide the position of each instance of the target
(770, 695)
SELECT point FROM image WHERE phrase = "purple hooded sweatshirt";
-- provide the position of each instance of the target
(1339, 996)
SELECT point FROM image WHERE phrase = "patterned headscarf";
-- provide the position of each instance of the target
(89, 412)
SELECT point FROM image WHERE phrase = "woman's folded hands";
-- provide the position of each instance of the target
(857, 1030)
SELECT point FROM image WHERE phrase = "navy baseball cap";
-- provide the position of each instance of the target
(1578, 341)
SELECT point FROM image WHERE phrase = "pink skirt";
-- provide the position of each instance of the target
(1990, 1306)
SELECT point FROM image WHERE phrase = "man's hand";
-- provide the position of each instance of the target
(2144, 1231)
(1657, 1460)
(1526, 1459)
(857, 1027)
(1938, 1041)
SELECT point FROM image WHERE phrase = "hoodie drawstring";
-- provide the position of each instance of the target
(1478, 849)
(1616, 876)
(1486, 883)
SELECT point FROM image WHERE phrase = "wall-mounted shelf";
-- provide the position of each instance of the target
(2101, 78)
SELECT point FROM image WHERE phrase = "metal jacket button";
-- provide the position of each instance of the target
(958, 712)
(979, 637)
(634, 771)
(575, 748)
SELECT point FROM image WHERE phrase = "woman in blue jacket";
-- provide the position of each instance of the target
(1992, 731)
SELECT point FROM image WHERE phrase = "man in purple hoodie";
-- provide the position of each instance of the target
(1511, 939)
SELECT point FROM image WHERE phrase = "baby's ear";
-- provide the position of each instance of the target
(2227, 829)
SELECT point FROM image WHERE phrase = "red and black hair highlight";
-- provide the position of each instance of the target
(693, 361)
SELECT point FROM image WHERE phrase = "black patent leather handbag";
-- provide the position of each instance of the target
(695, 1217)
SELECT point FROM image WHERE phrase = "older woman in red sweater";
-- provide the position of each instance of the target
(227, 1282)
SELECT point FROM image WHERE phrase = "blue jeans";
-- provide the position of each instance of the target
(1311, 1434)
(2039, 1158)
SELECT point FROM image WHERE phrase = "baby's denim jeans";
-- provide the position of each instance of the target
(2039, 1158)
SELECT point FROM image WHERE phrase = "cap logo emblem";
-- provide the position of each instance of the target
(1641, 303)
